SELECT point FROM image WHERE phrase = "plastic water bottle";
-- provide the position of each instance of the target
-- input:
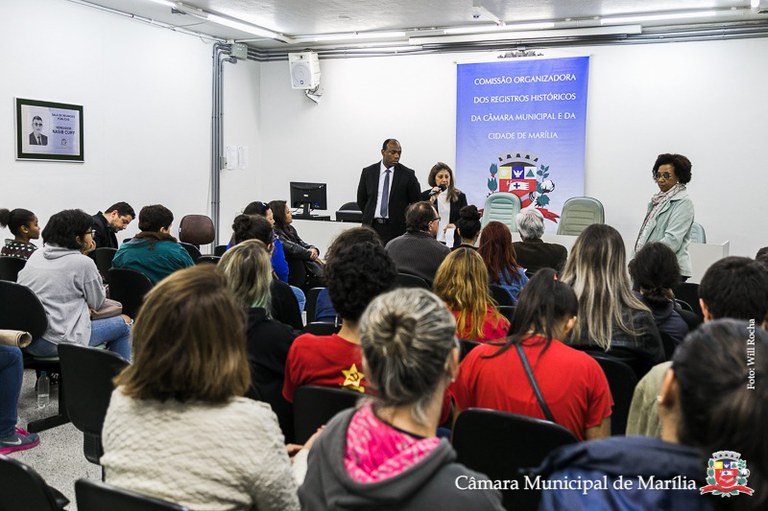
(43, 390)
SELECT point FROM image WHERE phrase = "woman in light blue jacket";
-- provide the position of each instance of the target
(670, 212)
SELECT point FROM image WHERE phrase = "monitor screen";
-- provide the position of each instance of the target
(309, 196)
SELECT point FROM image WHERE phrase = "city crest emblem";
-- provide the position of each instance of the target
(726, 475)
(523, 175)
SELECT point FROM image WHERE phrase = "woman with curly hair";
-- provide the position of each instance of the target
(499, 256)
(462, 283)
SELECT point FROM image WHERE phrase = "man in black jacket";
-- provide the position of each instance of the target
(115, 218)
(386, 189)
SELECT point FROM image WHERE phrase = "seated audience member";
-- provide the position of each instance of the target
(654, 272)
(324, 311)
(462, 283)
(733, 287)
(705, 405)
(296, 249)
(284, 304)
(468, 226)
(446, 199)
(572, 383)
(533, 253)
(386, 455)
(499, 256)
(279, 264)
(12, 437)
(153, 251)
(611, 317)
(70, 287)
(762, 256)
(114, 219)
(248, 272)
(23, 225)
(176, 427)
(355, 275)
(417, 252)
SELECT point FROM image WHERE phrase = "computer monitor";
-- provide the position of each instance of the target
(308, 196)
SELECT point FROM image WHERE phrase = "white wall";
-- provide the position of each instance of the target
(146, 106)
(701, 99)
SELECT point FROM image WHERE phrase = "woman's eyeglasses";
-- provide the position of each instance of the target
(666, 175)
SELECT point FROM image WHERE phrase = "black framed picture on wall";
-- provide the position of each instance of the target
(49, 131)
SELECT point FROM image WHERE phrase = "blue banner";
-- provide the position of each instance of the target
(520, 128)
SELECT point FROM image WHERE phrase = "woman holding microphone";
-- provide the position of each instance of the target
(447, 200)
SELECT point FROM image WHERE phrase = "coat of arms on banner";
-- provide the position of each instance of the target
(524, 176)
(727, 475)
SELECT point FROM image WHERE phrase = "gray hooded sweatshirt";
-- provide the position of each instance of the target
(429, 485)
(68, 284)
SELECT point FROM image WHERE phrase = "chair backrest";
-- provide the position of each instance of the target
(103, 256)
(128, 287)
(191, 249)
(10, 267)
(507, 311)
(197, 230)
(501, 444)
(314, 406)
(622, 381)
(208, 259)
(579, 213)
(465, 346)
(689, 293)
(501, 295)
(501, 207)
(349, 212)
(97, 496)
(219, 250)
(89, 373)
(698, 234)
(318, 328)
(311, 305)
(406, 280)
(22, 489)
(21, 310)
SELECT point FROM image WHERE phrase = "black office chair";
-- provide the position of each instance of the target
(501, 295)
(407, 280)
(691, 319)
(23, 489)
(10, 267)
(103, 256)
(318, 328)
(311, 305)
(97, 496)
(689, 293)
(89, 373)
(128, 287)
(504, 445)
(192, 250)
(314, 406)
(507, 311)
(22, 310)
(622, 382)
(219, 250)
(465, 346)
(208, 259)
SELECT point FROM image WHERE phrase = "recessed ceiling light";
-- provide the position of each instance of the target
(657, 17)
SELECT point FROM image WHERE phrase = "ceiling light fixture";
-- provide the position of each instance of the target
(226, 21)
(479, 29)
(165, 3)
(612, 20)
(351, 36)
(531, 34)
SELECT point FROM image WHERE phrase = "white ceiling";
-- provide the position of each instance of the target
(301, 19)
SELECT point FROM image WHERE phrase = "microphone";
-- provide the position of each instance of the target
(435, 192)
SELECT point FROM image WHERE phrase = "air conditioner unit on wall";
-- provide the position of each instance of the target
(305, 70)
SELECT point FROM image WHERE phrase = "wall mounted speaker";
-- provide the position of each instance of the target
(305, 70)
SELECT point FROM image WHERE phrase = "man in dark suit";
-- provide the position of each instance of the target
(114, 219)
(386, 189)
(36, 137)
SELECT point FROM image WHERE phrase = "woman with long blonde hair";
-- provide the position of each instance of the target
(462, 283)
(611, 317)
